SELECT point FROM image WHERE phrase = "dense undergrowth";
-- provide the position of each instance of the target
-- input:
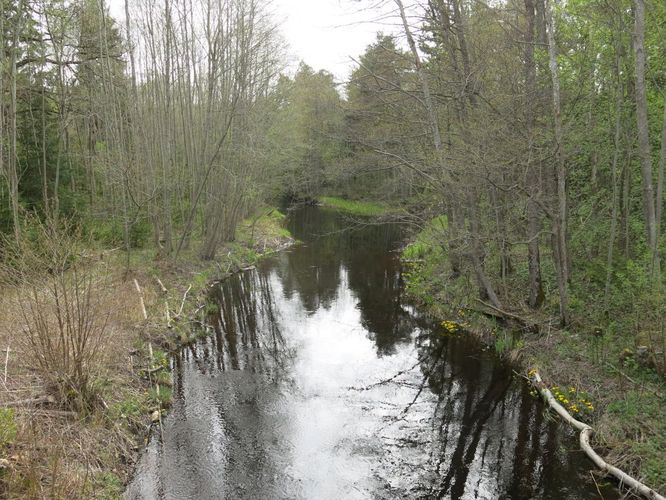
(608, 357)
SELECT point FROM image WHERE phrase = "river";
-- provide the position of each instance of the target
(318, 381)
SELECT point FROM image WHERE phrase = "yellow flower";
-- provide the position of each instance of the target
(572, 390)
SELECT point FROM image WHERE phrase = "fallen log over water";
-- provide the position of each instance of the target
(584, 438)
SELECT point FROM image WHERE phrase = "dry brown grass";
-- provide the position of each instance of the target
(57, 452)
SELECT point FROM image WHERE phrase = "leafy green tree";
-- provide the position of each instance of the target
(380, 120)
(307, 133)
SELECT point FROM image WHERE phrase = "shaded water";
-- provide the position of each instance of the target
(319, 382)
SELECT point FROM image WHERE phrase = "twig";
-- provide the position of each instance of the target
(6, 363)
(168, 315)
(162, 287)
(150, 371)
(182, 303)
(30, 401)
(597, 485)
(506, 314)
(143, 305)
(54, 413)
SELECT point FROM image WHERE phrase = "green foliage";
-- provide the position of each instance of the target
(576, 402)
(378, 110)
(355, 207)
(160, 359)
(416, 250)
(631, 413)
(111, 232)
(429, 240)
(504, 342)
(306, 132)
(201, 279)
(241, 255)
(162, 398)
(8, 428)
(130, 408)
(266, 225)
(108, 486)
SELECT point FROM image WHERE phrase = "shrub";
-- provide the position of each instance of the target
(58, 300)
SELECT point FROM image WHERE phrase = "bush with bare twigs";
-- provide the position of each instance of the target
(57, 298)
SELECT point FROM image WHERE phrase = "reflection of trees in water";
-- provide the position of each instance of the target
(223, 386)
(486, 428)
(312, 270)
(246, 332)
(374, 277)
(333, 242)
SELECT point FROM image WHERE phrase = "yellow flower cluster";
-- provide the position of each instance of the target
(574, 402)
(450, 326)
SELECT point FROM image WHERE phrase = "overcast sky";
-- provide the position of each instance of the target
(327, 33)
(323, 33)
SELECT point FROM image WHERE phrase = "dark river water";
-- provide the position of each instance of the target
(319, 382)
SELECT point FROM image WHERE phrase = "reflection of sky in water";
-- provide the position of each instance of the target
(285, 400)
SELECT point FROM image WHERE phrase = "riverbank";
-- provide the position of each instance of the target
(598, 375)
(49, 450)
(357, 207)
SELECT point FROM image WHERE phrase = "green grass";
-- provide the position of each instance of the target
(8, 427)
(355, 207)
(108, 486)
(132, 407)
(430, 239)
(162, 398)
(638, 417)
(268, 222)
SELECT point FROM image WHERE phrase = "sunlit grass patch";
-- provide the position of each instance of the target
(355, 207)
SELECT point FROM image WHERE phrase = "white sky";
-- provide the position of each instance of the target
(327, 33)
(323, 33)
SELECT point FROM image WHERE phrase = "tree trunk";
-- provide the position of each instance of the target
(643, 135)
(660, 175)
(560, 219)
(425, 87)
(536, 296)
(616, 153)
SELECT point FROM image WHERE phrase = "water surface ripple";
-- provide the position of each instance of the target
(318, 382)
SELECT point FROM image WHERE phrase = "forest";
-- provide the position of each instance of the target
(522, 142)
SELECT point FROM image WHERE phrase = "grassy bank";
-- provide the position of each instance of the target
(611, 387)
(357, 207)
(50, 447)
